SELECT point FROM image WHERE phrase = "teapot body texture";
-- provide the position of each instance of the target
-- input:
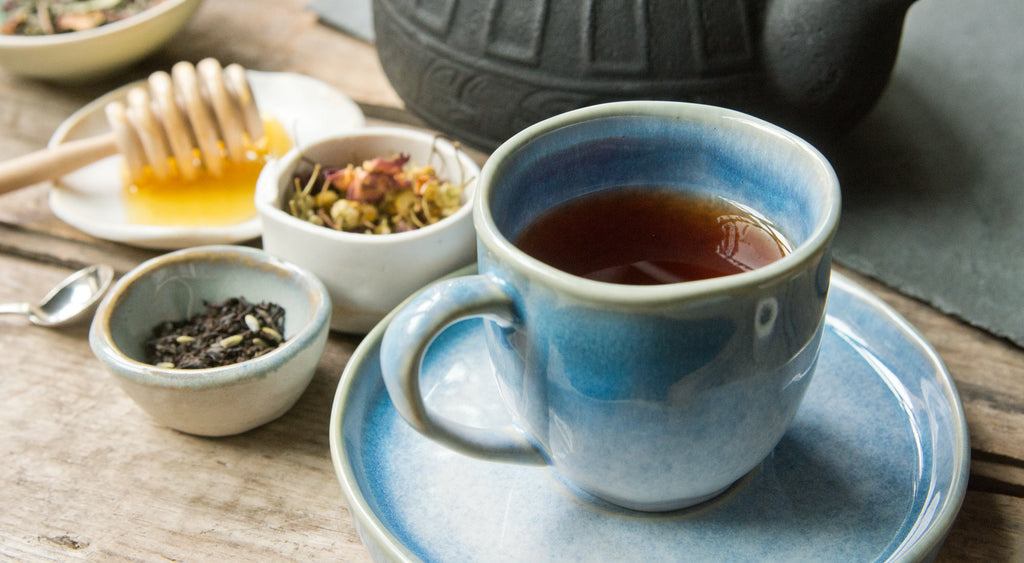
(481, 70)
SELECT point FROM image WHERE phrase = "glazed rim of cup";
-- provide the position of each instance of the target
(142, 372)
(510, 256)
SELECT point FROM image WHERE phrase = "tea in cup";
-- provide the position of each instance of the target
(653, 278)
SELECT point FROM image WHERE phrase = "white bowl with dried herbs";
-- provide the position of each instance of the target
(376, 214)
(78, 41)
(213, 340)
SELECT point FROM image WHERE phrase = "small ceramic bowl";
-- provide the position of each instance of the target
(223, 400)
(367, 275)
(79, 56)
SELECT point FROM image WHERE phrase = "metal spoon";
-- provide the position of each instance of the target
(71, 301)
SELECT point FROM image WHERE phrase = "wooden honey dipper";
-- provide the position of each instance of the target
(202, 110)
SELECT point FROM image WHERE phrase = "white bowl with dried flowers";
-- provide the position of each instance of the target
(79, 41)
(375, 213)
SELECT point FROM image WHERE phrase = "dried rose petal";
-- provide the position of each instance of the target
(392, 166)
(370, 186)
(340, 177)
(80, 22)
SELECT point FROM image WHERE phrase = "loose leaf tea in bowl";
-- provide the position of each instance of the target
(380, 196)
(226, 333)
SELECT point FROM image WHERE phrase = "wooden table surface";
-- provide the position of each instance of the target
(87, 475)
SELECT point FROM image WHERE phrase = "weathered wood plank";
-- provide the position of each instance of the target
(90, 475)
(997, 474)
(987, 529)
(76, 252)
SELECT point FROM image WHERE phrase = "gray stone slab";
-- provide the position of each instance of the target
(354, 17)
(933, 179)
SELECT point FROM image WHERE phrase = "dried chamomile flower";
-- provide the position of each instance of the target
(346, 214)
(378, 196)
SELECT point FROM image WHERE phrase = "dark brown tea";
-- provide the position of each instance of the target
(647, 236)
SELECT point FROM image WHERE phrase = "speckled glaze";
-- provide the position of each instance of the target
(873, 468)
(649, 397)
(223, 400)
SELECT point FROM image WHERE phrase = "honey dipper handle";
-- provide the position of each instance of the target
(54, 162)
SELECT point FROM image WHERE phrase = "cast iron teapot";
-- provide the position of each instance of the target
(481, 70)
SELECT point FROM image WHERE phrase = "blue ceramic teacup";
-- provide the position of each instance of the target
(650, 397)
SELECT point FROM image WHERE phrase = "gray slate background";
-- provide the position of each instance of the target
(933, 178)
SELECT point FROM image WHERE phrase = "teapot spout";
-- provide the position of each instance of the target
(829, 61)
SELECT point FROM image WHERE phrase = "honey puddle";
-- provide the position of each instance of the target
(207, 201)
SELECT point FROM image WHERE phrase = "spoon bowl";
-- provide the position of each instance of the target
(70, 302)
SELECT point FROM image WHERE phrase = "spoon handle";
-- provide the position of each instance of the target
(15, 308)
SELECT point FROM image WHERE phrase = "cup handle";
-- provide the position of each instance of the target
(414, 326)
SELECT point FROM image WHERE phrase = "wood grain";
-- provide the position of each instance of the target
(87, 475)
(94, 475)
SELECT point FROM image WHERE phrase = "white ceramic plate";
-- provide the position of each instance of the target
(90, 198)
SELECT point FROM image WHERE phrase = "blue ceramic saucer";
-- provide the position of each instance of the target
(874, 467)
